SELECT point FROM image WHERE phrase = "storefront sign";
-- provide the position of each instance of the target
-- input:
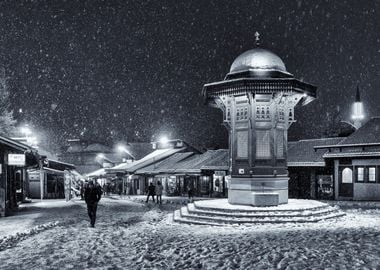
(220, 173)
(16, 159)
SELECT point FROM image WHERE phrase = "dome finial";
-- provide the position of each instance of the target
(257, 38)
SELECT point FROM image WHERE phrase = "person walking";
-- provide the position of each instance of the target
(92, 195)
(158, 191)
(151, 190)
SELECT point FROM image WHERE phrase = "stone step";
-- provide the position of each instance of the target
(201, 206)
(239, 220)
(317, 211)
(178, 218)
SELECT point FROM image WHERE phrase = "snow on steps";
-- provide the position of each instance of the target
(202, 214)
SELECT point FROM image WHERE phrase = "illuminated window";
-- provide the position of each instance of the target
(372, 174)
(360, 175)
(263, 144)
(347, 176)
(205, 183)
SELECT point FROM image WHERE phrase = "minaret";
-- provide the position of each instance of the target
(357, 110)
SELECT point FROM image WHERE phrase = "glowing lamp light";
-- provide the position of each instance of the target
(358, 111)
(100, 156)
(26, 131)
(121, 148)
(164, 140)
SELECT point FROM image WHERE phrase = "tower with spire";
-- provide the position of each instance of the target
(357, 110)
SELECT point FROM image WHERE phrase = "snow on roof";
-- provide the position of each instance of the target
(165, 165)
(97, 147)
(369, 133)
(15, 144)
(302, 153)
(218, 161)
(151, 158)
(139, 150)
(212, 159)
(96, 173)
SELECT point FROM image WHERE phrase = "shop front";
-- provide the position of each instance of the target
(15, 158)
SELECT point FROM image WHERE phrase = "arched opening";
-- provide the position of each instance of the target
(347, 176)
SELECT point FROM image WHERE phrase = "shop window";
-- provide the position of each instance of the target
(205, 184)
(347, 176)
(371, 174)
(263, 144)
(360, 174)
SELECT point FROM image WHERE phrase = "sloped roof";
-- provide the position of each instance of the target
(139, 150)
(302, 153)
(219, 160)
(14, 144)
(212, 159)
(151, 158)
(166, 165)
(97, 147)
(59, 165)
(369, 133)
(96, 173)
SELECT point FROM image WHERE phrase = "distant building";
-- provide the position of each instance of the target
(88, 156)
(345, 168)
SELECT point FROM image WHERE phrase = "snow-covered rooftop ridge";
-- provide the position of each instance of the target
(155, 156)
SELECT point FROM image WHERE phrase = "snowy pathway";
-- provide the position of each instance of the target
(130, 235)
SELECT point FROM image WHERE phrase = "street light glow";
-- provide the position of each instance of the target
(164, 140)
(121, 148)
(100, 156)
(26, 131)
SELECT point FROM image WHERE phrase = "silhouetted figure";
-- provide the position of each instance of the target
(92, 195)
(158, 191)
(151, 190)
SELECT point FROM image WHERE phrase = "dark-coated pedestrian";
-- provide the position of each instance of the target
(92, 195)
(151, 190)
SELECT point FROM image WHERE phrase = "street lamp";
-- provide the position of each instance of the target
(164, 140)
(30, 140)
(100, 156)
(26, 131)
(122, 149)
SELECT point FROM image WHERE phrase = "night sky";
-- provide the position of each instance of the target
(132, 70)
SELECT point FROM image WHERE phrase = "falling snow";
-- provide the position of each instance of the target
(134, 69)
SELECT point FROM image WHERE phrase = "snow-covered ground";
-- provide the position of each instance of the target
(132, 235)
